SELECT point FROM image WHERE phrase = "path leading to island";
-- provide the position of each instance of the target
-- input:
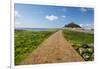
(53, 50)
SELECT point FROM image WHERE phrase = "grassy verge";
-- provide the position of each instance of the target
(82, 43)
(26, 41)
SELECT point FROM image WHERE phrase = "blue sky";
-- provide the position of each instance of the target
(44, 16)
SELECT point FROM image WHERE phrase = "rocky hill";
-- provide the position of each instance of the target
(72, 25)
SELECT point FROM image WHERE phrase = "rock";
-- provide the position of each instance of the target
(86, 56)
(91, 45)
(92, 56)
(81, 50)
(72, 25)
(85, 46)
(90, 50)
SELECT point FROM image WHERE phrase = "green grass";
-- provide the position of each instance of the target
(78, 37)
(81, 41)
(26, 41)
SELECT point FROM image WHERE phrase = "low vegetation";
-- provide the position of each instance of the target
(26, 41)
(82, 43)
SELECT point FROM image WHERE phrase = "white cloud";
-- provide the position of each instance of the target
(17, 23)
(17, 14)
(87, 25)
(51, 17)
(83, 9)
(63, 16)
(81, 25)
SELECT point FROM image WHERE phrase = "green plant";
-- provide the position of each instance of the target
(26, 41)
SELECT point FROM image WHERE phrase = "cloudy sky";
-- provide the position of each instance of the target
(43, 16)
